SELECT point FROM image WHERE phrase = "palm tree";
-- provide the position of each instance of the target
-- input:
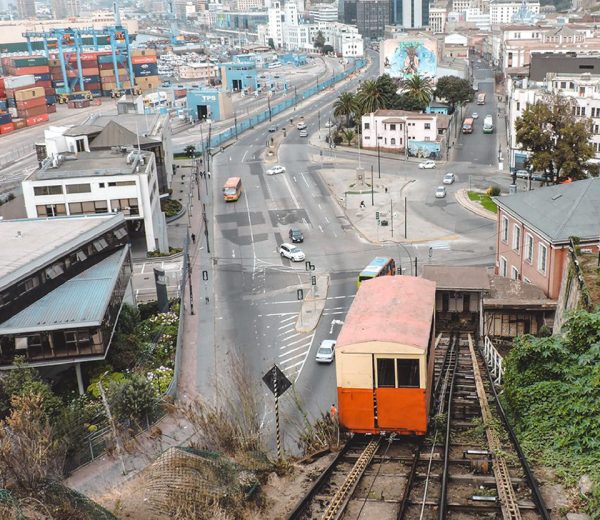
(371, 97)
(419, 88)
(345, 105)
(348, 135)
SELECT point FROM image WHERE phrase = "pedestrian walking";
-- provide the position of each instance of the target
(193, 238)
(333, 412)
(208, 173)
(362, 204)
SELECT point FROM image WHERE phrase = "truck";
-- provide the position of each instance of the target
(488, 125)
(481, 98)
(467, 127)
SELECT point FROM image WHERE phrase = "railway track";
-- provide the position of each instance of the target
(468, 466)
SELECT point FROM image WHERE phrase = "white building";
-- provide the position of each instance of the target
(393, 129)
(203, 71)
(107, 181)
(345, 39)
(504, 11)
(275, 24)
(437, 19)
(481, 20)
(299, 37)
(247, 5)
(291, 13)
(460, 6)
(324, 13)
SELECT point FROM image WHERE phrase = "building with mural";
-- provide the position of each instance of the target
(409, 54)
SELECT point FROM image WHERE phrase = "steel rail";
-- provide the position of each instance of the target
(409, 483)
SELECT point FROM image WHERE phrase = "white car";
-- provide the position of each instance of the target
(475, 115)
(275, 170)
(329, 124)
(303, 133)
(295, 254)
(301, 125)
(326, 352)
(427, 165)
(449, 178)
(440, 192)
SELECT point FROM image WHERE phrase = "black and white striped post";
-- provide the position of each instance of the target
(277, 426)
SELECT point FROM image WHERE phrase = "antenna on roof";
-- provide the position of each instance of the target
(137, 132)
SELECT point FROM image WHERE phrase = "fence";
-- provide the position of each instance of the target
(493, 360)
(250, 122)
(16, 154)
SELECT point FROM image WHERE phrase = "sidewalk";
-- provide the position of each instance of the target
(462, 198)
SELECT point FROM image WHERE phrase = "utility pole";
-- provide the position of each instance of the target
(405, 223)
(392, 216)
(269, 104)
(235, 123)
(197, 175)
(378, 154)
(207, 162)
(372, 188)
(113, 426)
(205, 227)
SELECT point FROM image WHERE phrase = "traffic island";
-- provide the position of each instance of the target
(274, 140)
(315, 298)
(475, 204)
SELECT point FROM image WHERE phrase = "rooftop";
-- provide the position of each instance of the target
(142, 124)
(30, 244)
(467, 278)
(79, 302)
(544, 63)
(505, 292)
(97, 163)
(559, 212)
(400, 310)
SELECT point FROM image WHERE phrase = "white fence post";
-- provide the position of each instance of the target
(493, 360)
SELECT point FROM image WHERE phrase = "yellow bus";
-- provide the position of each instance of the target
(232, 189)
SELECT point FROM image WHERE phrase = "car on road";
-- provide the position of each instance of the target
(301, 125)
(272, 129)
(276, 169)
(449, 178)
(427, 165)
(475, 115)
(295, 254)
(326, 351)
(541, 177)
(440, 192)
(329, 124)
(296, 235)
(303, 133)
(523, 174)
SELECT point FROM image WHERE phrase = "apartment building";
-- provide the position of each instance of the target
(505, 11)
(119, 180)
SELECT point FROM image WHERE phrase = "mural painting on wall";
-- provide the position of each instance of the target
(425, 150)
(405, 59)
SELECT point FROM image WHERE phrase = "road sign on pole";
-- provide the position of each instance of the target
(277, 382)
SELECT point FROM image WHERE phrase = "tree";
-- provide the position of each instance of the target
(319, 40)
(326, 49)
(371, 96)
(419, 89)
(348, 135)
(271, 43)
(455, 91)
(30, 450)
(558, 142)
(409, 102)
(190, 150)
(345, 105)
(132, 399)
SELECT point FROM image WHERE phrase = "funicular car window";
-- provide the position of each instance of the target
(386, 377)
(408, 373)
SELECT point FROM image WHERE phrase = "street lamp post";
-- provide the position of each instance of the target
(378, 154)
(372, 188)
(269, 105)
(319, 117)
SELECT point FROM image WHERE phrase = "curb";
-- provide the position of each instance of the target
(463, 199)
(319, 305)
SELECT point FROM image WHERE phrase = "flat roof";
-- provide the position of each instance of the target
(79, 302)
(450, 277)
(97, 163)
(391, 309)
(30, 244)
(508, 293)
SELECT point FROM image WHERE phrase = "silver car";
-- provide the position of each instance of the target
(426, 165)
(293, 253)
(275, 170)
(440, 192)
(326, 352)
(449, 178)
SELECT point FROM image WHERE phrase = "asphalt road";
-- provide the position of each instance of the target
(256, 303)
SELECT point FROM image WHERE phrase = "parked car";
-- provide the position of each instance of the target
(326, 351)
(275, 170)
(475, 115)
(296, 235)
(292, 252)
(272, 128)
(440, 192)
(301, 125)
(329, 124)
(449, 178)
(427, 165)
(303, 133)
(523, 174)
(542, 177)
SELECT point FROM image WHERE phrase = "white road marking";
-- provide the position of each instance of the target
(277, 303)
(285, 361)
(333, 313)
(291, 192)
(287, 319)
(293, 343)
(326, 219)
(280, 314)
(251, 235)
(244, 156)
(292, 336)
(295, 365)
(287, 326)
(321, 228)
(287, 352)
(305, 181)
(294, 177)
(233, 253)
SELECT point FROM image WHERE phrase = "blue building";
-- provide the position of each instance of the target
(295, 59)
(238, 76)
(208, 103)
(437, 108)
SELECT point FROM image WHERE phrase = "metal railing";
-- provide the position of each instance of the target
(493, 360)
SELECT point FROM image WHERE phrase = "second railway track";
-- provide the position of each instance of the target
(468, 466)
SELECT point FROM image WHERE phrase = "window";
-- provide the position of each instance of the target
(514, 273)
(518, 105)
(542, 258)
(393, 140)
(503, 266)
(526, 280)
(78, 188)
(51, 210)
(48, 190)
(386, 378)
(427, 126)
(427, 138)
(367, 126)
(392, 127)
(94, 206)
(504, 229)
(516, 242)
(408, 373)
(528, 248)
(28, 285)
(101, 185)
(127, 206)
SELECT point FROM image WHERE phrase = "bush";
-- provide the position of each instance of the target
(493, 191)
(170, 207)
(132, 399)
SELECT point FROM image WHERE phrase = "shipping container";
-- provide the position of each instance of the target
(31, 61)
(50, 100)
(45, 84)
(11, 102)
(49, 91)
(30, 93)
(36, 120)
(58, 84)
(42, 77)
(13, 82)
(2, 83)
(19, 123)
(91, 79)
(91, 71)
(51, 109)
(30, 103)
(20, 71)
(140, 60)
(93, 86)
(143, 52)
(96, 92)
(6, 128)
(5, 118)
(3, 105)
(145, 70)
(31, 112)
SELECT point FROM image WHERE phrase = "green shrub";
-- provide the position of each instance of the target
(493, 191)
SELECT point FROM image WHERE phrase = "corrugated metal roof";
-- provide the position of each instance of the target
(452, 277)
(79, 302)
(392, 309)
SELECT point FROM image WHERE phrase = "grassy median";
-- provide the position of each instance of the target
(483, 199)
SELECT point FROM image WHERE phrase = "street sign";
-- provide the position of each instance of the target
(377, 216)
(313, 280)
(276, 375)
(205, 275)
(300, 294)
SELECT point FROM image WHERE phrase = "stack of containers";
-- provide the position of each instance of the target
(13, 85)
(58, 83)
(31, 105)
(108, 79)
(145, 69)
(40, 68)
(6, 122)
(89, 71)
